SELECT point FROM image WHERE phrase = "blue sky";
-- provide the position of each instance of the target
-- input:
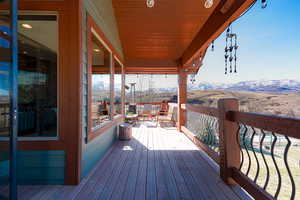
(269, 45)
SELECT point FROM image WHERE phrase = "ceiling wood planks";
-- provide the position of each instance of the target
(174, 30)
(159, 33)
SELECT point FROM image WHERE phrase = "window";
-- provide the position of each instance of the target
(118, 88)
(100, 82)
(38, 79)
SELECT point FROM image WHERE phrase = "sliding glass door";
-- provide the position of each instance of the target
(8, 98)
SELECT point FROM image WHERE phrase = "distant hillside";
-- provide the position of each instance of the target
(284, 103)
(273, 86)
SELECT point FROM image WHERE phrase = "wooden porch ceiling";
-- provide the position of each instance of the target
(159, 39)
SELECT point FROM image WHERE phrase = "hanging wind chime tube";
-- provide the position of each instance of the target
(231, 50)
(226, 49)
(264, 3)
(235, 50)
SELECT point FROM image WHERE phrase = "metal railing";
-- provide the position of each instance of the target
(205, 127)
(258, 152)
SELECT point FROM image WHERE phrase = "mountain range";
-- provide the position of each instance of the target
(273, 86)
(254, 86)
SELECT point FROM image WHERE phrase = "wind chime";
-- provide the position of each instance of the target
(193, 76)
(231, 51)
(194, 73)
(264, 3)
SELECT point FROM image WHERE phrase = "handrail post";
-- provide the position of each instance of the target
(182, 96)
(229, 147)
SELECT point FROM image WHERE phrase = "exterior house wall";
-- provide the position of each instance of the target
(102, 13)
(36, 167)
(94, 151)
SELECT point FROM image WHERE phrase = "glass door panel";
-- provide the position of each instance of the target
(5, 33)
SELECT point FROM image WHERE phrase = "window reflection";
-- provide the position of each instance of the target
(4, 74)
(38, 49)
(100, 108)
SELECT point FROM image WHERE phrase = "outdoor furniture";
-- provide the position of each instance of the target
(165, 116)
(131, 115)
(125, 131)
(147, 112)
(131, 118)
(132, 109)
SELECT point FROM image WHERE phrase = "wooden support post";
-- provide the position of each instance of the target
(123, 93)
(229, 147)
(182, 96)
(112, 86)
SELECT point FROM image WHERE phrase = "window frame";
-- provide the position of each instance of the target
(122, 87)
(93, 30)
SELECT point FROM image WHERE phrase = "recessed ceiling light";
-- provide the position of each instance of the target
(97, 50)
(150, 3)
(208, 3)
(27, 26)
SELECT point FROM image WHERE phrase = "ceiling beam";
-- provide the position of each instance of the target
(225, 13)
(151, 66)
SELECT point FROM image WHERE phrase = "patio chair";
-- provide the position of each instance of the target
(165, 117)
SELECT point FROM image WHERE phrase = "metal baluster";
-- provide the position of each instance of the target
(276, 166)
(257, 163)
(286, 150)
(249, 163)
(263, 156)
(206, 134)
(215, 134)
(218, 136)
(238, 142)
(211, 132)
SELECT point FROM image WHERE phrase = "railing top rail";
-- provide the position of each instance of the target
(282, 125)
(201, 109)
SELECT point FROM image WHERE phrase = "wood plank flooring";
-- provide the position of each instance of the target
(158, 163)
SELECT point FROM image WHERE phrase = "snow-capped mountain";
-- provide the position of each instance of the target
(255, 86)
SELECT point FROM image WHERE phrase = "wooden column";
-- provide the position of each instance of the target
(112, 86)
(229, 147)
(182, 96)
(123, 93)
(70, 84)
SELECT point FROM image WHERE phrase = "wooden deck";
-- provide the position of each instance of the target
(159, 163)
